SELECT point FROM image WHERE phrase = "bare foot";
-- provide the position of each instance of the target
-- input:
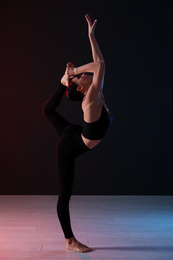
(73, 244)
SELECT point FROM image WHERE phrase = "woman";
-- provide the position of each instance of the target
(83, 84)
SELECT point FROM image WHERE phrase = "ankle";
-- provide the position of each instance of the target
(70, 240)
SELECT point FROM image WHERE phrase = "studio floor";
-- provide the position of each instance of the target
(116, 227)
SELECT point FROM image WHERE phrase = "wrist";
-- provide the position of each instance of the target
(75, 71)
(91, 35)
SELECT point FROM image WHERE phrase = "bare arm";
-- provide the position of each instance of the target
(96, 53)
(97, 67)
(98, 79)
(89, 67)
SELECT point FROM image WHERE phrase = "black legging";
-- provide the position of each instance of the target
(69, 146)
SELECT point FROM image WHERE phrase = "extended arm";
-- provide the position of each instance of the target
(97, 66)
(96, 53)
(98, 79)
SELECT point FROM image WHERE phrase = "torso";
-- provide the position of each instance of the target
(92, 112)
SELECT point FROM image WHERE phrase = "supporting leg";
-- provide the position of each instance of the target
(65, 169)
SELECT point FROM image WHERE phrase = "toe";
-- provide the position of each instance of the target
(87, 249)
(81, 250)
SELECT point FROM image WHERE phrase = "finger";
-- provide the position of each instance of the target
(94, 23)
(88, 19)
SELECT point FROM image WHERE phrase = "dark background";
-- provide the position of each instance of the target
(37, 39)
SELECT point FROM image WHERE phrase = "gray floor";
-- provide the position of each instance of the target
(116, 227)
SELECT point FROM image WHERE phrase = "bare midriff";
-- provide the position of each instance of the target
(90, 143)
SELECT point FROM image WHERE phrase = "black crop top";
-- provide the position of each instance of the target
(96, 130)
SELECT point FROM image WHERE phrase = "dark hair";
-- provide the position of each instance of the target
(73, 94)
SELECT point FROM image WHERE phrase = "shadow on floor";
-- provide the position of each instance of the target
(136, 248)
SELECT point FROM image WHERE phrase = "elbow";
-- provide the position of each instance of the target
(101, 61)
(101, 64)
